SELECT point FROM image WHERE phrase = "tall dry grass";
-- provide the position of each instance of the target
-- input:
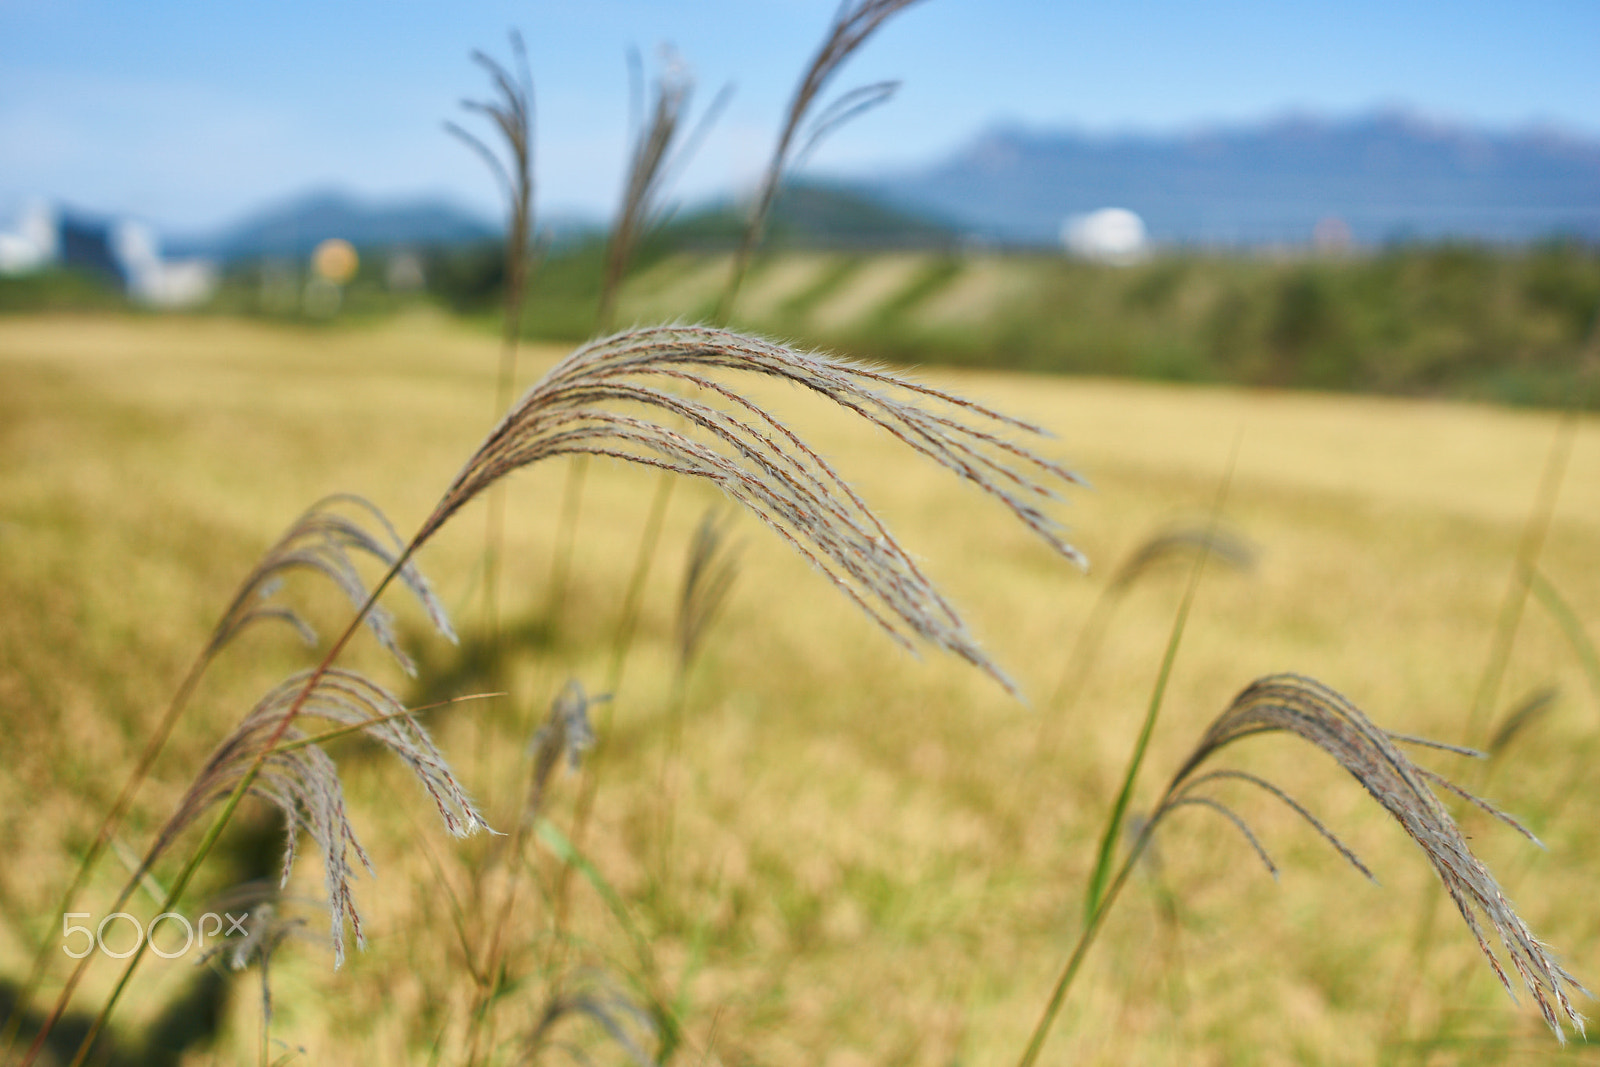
(838, 837)
(694, 402)
(620, 398)
(853, 24)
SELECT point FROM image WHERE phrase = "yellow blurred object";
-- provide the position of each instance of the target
(335, 260)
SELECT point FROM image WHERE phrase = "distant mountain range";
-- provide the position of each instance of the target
(817, 214)
(293, 227)
(1388, 176)
(805, 213)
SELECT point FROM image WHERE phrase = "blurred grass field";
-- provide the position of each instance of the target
(875, 859)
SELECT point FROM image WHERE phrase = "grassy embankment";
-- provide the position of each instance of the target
(1461, 321)
(1467, 322)
(875, 859)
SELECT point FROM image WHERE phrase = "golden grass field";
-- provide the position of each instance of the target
(874, 859)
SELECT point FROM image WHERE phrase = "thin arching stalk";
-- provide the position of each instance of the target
(1080, 950)
(634, 398)
(658, 153)
(627, 626)
(852, 25)
(208, 842)
(1534, 533)
(512, 116)
(1316, 714)
(1101, 873)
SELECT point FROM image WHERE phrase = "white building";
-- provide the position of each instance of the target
(33, 244)
(156, 281)
(135, 252)
(1110, 235)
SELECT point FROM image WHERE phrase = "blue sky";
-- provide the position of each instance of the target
(189, 114)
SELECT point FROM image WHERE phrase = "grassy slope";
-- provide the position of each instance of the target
(1460, 321)
(878, 859)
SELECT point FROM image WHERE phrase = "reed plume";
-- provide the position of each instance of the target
(659, 152)
(853, 23)
(615, 398)
(566, 732)
(1226, 547)
(1317, 714)
(589, 994)
(326, 541)
(512, 116)
(1529, 710)
(302, 781)
(599, 401)
(590, 404)
(708, 576)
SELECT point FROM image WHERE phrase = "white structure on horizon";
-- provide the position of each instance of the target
(1110, 235)
(155, 281)
(35, 244)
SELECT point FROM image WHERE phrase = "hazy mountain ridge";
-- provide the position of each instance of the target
(292, 227)
(817, 214)
(805, 213)
(1386, 176)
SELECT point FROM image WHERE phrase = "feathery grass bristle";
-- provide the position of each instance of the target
(326, 541)
(582, 407)
(302, 780)
(708, 576)
(1314, 712)
(566, 732)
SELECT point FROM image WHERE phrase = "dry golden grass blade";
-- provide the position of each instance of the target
(1318, 714)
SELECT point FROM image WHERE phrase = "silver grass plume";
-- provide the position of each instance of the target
(267, 925)
(512, 115)
(326, 541)
(1318, 714)
(566, 732)
(1534, 706)
(302, 781)
(617, 397)
(658, 154)
(591, 994)
(1220, 545)
(1224, 546)
(623, 397)
(708, 575)
(853, 23)
(323, 540)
